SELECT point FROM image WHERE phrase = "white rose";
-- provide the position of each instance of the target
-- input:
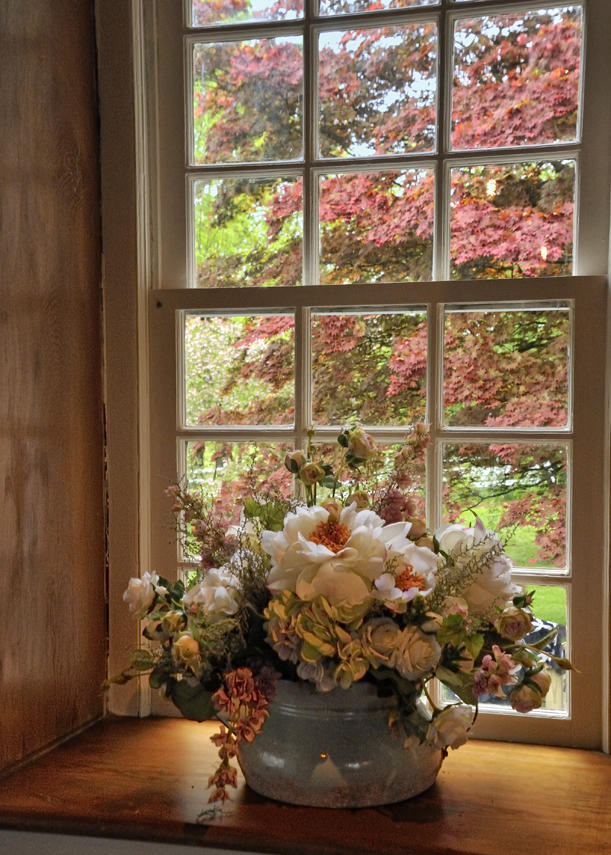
(140, 593)
(380, 638)
(450, 729)
(216, 593)
(417, 654)
(475, 546)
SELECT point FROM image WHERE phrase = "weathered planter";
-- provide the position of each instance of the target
(335, 750)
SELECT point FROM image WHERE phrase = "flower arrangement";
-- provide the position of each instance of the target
(343, 583)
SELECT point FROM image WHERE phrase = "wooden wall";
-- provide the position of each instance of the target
(52, 611)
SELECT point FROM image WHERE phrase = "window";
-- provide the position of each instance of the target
(383, 213)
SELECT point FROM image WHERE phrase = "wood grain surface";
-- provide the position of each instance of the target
(147, 779)
(52, 613)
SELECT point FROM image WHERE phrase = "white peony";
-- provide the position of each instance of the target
(492, 585)
(215, 593)
(340, 559)
(414, 569)
(140, 593)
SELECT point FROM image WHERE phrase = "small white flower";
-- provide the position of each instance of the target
(215, 593)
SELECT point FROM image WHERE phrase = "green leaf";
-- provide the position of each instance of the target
(142, 660)
(194, 702)
(158, 676)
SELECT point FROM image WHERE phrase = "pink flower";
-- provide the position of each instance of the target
(495, 672)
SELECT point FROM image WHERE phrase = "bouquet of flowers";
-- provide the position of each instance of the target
(341, 584)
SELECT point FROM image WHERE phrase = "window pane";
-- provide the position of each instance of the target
(207, 12)
(506, 368)
(377, 90)
(248, 231)
(550, 610)
(516, 78)
(369, 368)
(347, 7)
(229, 472)
(239, 370)
(376, 226)
(247, 100)
(512, 220)
(516, 488)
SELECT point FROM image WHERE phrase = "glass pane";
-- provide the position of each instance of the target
(550, 610)
(376, 226)
(506, 368)
(229, 472)
(516, 78)
(517, 489)
(377, 90)
(347, 7)
(248, 100)
(392, 505)
(239, 370)
(248, 231)
(512, 220)
(369, 368)
(207, 12)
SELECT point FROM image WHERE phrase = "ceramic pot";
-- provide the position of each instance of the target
(335, 749)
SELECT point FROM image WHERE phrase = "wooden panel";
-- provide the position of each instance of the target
(147, 780)
(52, 610)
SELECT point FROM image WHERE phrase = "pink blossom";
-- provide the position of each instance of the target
(495, 672)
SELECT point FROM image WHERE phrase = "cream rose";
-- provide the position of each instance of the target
(380, 639)
(417, 653)
(186, 648)
(450, 729)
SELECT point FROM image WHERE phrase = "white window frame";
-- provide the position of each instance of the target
(141, 323)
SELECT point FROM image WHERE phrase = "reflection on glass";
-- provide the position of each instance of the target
(518, 489)
(377, 90)
(228, 472)
(239, 370)
(348, 7)
(506, 368)
(247, 100)
(376, 226)
(512, 220)
(369, 368)
(516, 78)
(209, 12)
(248, 231)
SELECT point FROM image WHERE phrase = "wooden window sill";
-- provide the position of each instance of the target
(147, 780)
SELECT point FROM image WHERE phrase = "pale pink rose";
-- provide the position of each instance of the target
(360, 444)
(530, 697)
(513, 623)
(311, 473)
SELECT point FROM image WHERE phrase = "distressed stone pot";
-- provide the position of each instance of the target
(335, 750)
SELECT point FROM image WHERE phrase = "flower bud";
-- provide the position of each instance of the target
(311, 473)
(294, 461)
